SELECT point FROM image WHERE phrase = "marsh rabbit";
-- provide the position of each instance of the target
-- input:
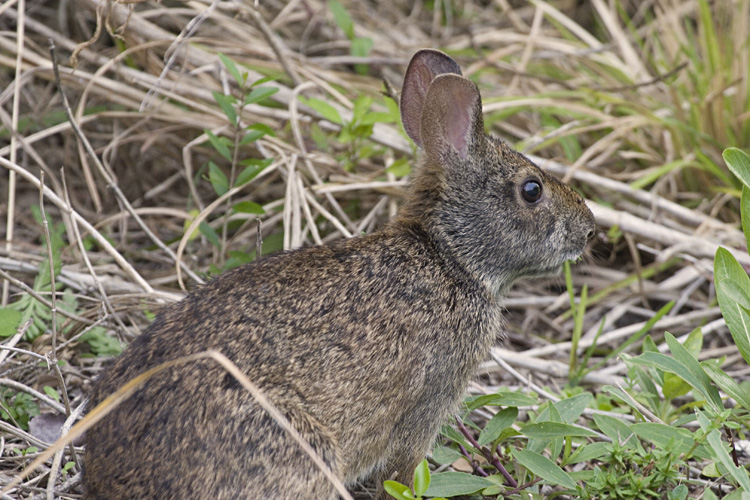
(366, 345)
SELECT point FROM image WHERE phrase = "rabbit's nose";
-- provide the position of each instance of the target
(590, 234)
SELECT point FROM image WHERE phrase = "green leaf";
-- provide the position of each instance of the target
(571, 408)
(589, 452)
(544, 468)
(210, 234)
(616, 430)
(361, 106)
(732, 286)
(499, 421)
(451, 484)
(226, 103)
(342, 18)
(421, 478)
(400, 167)
(52, 393)
(232, 68)
(727, 384)
(501, 399)
(248, 207)
(397, 490)
(672, 365)
(361, 47)
(255, 132)
(661, 435)
(745, 213)
(739, 163)
(722, 455)
(549, 430)
(252, 168)
(100, 343)
(258, 94)
(218, 180)
(10, 319)
(220, 144)
(445, 455)
(327, 111)
(689, 361)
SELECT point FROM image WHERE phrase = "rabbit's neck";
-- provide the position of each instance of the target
(450, 258)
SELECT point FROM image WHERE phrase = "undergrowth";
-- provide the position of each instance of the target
(646, 96)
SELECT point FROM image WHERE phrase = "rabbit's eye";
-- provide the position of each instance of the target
(531, 191)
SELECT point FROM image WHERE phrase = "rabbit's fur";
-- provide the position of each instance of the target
(366, 345)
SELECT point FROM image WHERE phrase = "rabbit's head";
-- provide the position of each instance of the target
(488, 206)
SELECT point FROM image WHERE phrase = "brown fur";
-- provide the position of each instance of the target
(366, 345)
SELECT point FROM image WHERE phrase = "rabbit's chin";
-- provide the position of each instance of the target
(554, 268)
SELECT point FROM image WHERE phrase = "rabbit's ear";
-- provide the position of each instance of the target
(452, 117)
(423, 68)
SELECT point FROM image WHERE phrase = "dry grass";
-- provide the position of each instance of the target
(623, 112)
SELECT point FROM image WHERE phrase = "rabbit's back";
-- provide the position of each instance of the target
(322, 331)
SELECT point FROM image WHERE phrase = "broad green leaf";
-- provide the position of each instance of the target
(571, 408)
(690, 362)
(258, 94)
(326, 110)
(669, 364)
(218, 180)
(678, 493)
(739, 163)
(232, 68)
(727, 384)
(445, 455)
(550, 430)
(735, 495)
(732, 281)
(661, 435)
(451, 484)
(219, 144)
(226, 103)
(589, 452)
(501, 399)
(745, 213)
(248, 207)
(617, 431)
(9, 321)
(544, 468)
(421, 478)
(397, 490)
(501, 420)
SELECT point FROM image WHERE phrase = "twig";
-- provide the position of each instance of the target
(486, 452)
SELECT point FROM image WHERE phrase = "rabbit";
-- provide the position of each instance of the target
(366, 345)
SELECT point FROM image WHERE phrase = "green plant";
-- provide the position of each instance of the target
(242, 170)
(355, 133)
(17, 407)
(422, 479)
(359, 46)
